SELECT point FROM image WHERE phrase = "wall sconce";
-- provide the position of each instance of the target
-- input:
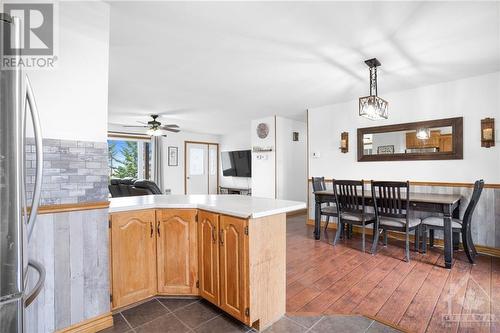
(344, 142)
(488, 132)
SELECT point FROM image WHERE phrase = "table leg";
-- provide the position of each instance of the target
(448, 239)
(317, 220)
(456, 235)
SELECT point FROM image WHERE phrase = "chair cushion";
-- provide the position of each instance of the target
(399, 222)
(329, 210)
(356, 216)
(439, 222)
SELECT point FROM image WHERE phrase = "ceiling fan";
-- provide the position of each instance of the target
(155, 127)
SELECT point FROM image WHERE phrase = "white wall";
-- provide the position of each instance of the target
(264, 163)
(473, 98)
(73, 97)
(291, 160)
(235, 141)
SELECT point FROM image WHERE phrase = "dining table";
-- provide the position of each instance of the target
(446, 204)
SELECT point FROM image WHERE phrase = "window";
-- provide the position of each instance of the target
(129, 157)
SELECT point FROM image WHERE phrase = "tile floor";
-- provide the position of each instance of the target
(168, 315)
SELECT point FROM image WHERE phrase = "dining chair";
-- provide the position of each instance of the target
(458, 226)
(391, 201)
(350, 200)
(327, 210)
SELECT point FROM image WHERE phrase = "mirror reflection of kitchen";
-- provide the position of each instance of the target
(421, 140)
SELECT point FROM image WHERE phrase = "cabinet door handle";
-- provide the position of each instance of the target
(221, 236)
(214, 235)
(158, 228)
(151, 229)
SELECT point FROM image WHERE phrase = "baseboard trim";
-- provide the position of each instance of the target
(490, 251)
(91, 325)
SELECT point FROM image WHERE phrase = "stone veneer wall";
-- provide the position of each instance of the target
(73, 171)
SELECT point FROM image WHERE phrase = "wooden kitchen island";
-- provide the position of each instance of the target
(227, 249)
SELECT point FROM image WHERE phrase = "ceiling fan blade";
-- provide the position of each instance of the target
(141, 122)
(171, 125)
(171, 129)
(135, 126)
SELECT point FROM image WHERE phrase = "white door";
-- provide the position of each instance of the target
(196, 168)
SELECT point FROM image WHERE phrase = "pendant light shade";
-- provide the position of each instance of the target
(373, 107)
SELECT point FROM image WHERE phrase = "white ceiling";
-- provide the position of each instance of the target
(213, 66)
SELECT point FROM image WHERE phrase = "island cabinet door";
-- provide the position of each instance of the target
(208, 256)
(177, 251)
(233, 249)
(133, 255)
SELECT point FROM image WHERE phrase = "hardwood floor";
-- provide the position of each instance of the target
(420, 296)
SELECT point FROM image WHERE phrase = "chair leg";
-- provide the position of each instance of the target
(338, 232)
(417, 239)
(424, 239)
(467, 250)
(407, 247)
(327, 221)
(385, 237)
(431, 238)
(375, 238)
(363, 236)
(471, 243)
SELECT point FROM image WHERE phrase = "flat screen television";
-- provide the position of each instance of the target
(237, 163)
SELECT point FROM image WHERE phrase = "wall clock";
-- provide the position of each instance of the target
(262, 130)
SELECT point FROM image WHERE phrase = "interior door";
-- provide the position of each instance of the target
(133, 246)
(233, 267)
(196, 168)
(208, 256)
(176, 247)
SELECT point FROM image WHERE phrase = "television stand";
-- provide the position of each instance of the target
(235, 190)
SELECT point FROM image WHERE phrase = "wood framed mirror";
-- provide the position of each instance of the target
(440, 139)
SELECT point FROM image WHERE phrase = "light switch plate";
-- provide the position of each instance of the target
(316, 154)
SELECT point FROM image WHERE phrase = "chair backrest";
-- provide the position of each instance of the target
(318, 184)
(476, 194)
(391, 199)
(349, 195)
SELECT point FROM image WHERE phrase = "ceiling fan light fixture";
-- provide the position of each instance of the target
(154, 132)
(373, 107)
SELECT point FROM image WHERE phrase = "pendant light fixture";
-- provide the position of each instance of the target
(373, 107)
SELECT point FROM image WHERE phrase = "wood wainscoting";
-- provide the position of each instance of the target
(91, 325)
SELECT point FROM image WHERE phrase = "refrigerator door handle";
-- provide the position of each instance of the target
(30, 101)
(30, 297)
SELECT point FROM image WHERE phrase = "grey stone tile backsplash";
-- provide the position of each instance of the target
(73, 171)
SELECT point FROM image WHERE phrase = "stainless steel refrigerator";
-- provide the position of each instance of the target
(17, 213)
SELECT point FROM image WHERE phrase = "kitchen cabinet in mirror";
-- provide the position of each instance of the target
(440, 139)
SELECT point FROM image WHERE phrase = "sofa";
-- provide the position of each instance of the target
(128, 186)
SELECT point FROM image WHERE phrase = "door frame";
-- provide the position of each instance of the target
(185, 162)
